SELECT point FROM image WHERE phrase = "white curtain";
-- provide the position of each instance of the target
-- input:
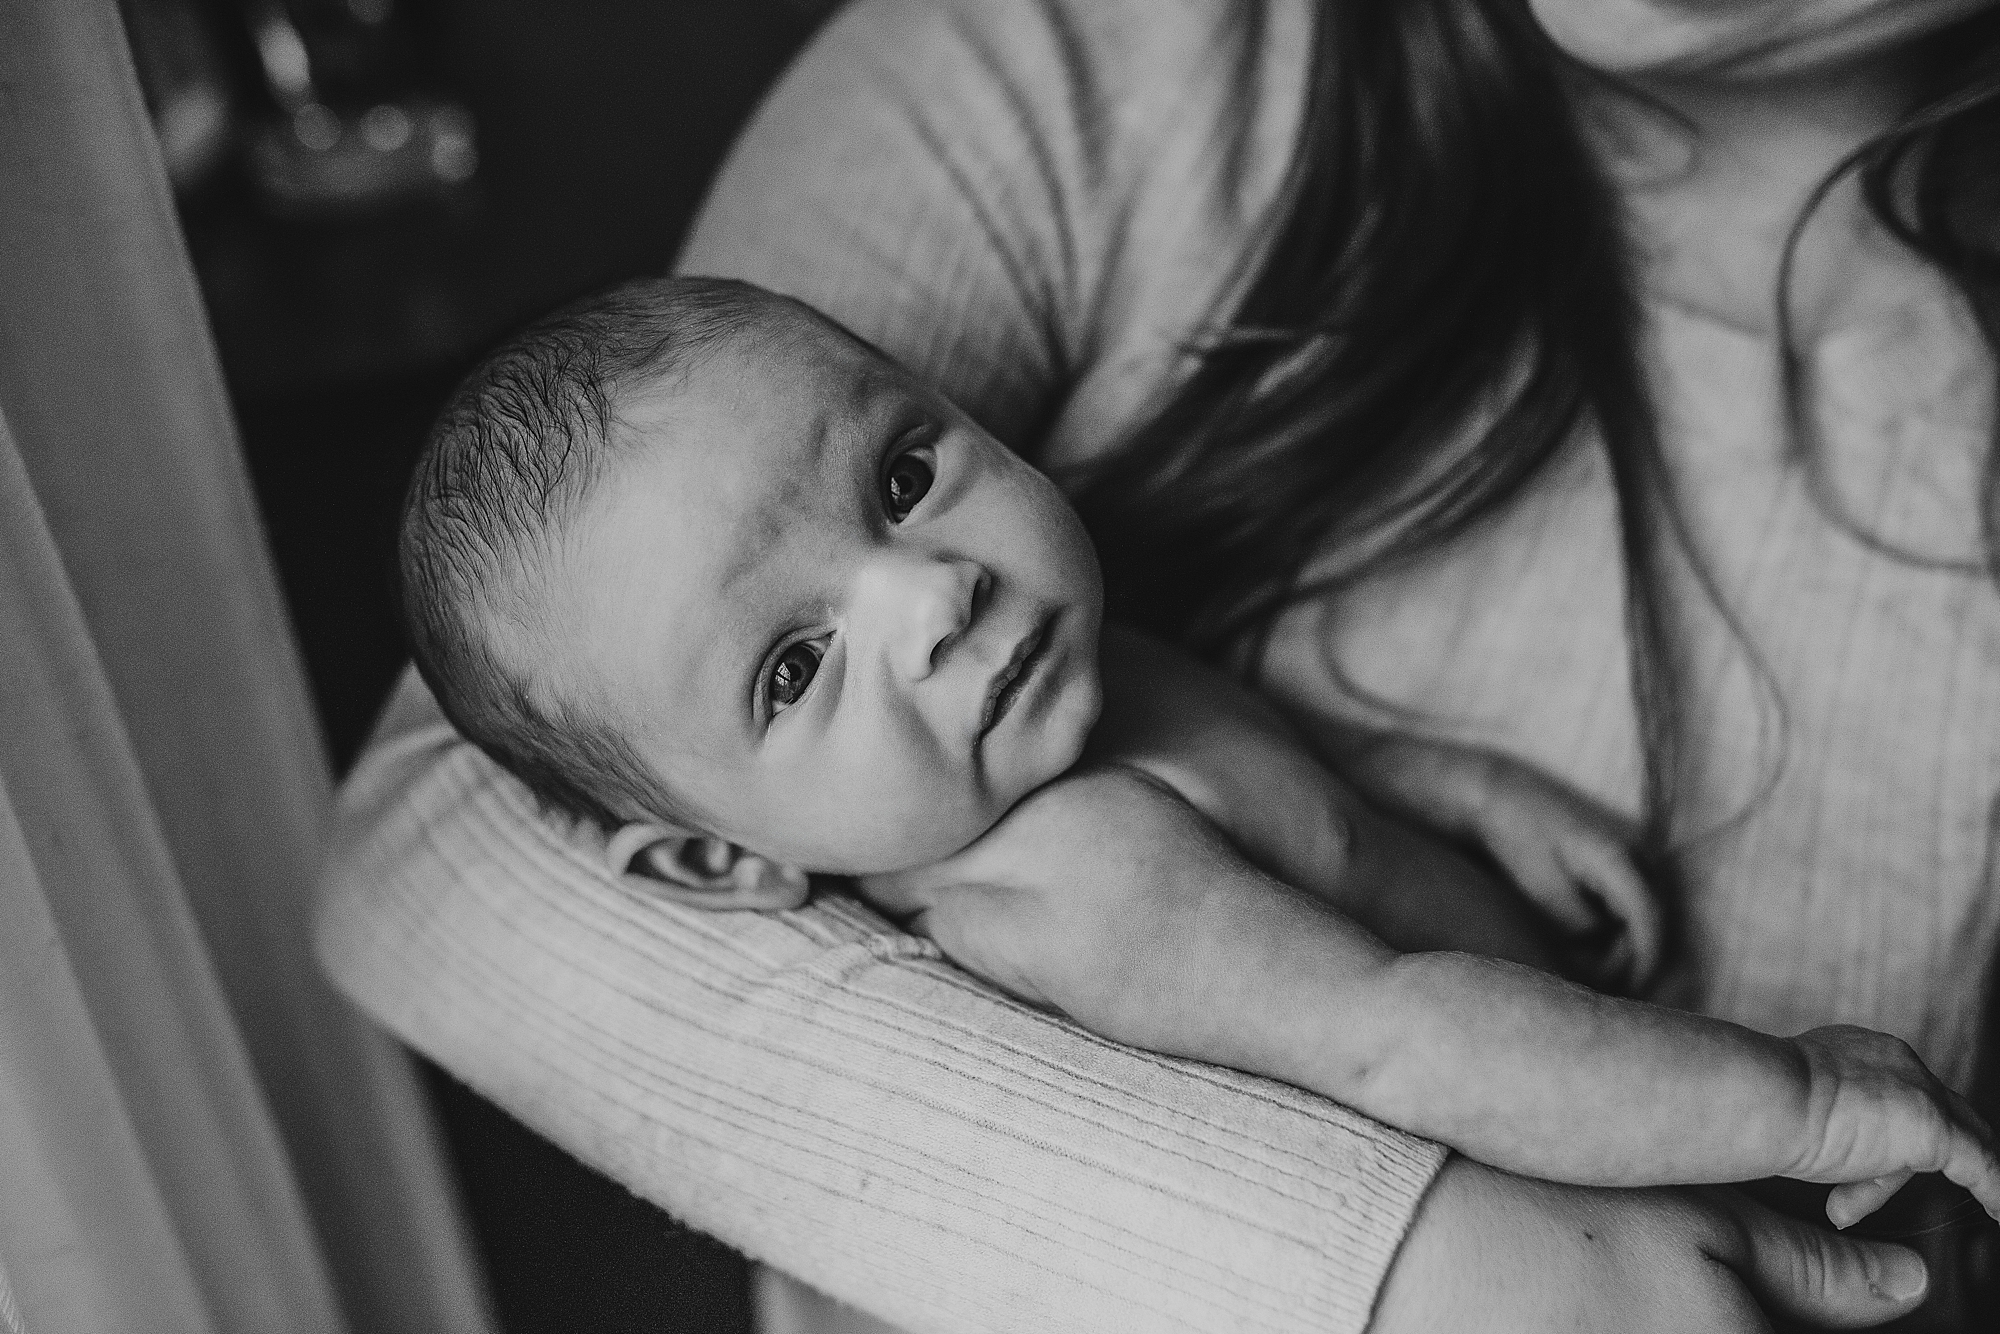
(195, 1133)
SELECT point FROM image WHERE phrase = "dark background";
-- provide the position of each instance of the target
(598, 126)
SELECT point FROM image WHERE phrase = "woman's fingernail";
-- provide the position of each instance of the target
(1903, 1276)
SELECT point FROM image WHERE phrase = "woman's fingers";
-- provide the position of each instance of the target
(1491, 1253)
(1823, 1278)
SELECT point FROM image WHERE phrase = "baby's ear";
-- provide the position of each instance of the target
(703, 871)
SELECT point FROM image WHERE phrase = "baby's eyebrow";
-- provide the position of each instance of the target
(867, 402)
(758, 533)
(772, 514)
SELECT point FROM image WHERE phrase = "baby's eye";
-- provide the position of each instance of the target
(792, 673)
(908, 481)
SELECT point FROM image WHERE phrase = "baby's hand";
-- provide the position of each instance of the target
(1568, 858)
(1878, 1117)
(1574, 863)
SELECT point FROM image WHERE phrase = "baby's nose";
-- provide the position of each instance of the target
(921, 608)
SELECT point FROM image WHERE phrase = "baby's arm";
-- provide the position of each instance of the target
(1572, 859)
(1110, 898)
(1234, 759)
(1546, 1078)
(1242, 765)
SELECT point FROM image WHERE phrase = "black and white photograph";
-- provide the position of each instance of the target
(999, 666)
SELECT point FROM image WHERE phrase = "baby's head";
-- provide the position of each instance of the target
(696, 563)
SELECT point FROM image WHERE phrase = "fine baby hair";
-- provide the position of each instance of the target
(521, 443)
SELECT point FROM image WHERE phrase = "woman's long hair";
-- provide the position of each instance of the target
(1445, 296)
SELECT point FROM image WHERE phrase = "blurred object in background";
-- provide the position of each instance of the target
(316, 162)
(335, 111)
(327, 175)
(186, 85)
(380, 188)
(353, 130)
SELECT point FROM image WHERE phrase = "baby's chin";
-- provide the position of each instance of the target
(923, 839)
(882, 841)
(916, 820)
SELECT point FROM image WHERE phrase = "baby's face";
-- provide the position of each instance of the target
(841, 621)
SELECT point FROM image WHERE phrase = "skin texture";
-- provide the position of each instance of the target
(742, 529)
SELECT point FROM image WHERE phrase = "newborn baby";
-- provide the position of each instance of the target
(704, 568)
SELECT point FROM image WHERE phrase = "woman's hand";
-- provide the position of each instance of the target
(1491, 1253)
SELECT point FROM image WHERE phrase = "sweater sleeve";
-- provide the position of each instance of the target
(827, 1095)
(965, 183)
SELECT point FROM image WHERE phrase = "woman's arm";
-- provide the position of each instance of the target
(822, 1092)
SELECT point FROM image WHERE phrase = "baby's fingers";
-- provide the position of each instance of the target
(1542, 874)
(1967, 1116)
(1607, 871)
(1605, 961)
(1853, 1201)
(1970, 1158)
